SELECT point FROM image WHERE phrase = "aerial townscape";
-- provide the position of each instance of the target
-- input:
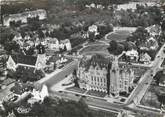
(82, 58)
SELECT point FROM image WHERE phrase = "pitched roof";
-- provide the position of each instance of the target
(24, 59)
(95, 60)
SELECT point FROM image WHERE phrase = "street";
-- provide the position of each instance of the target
(137, 94)
(58, 76)
(139, 91)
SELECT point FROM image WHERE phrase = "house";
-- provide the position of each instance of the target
(40, 13)
(154, 30)
(38, 96)
(57, 59)
(37, 62)
(65, 44)
(53, 44)
(132, 55)
(29, 97)
(100, 74)
(17, 37)
(132, 5)
(152, 44)
(145, 58)
(94, 29)
(27, 37)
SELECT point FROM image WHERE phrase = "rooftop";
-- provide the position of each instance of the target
(24, 59)
(95, 60)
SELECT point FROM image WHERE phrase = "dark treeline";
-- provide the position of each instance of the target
(14, 8)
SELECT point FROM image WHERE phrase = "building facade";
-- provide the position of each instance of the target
(92, 73)
(65, 45)
(37, 62)
(101, 74)
(40, 13)
(132, 55)
(53, 44)
(145, 58)
(121, 78)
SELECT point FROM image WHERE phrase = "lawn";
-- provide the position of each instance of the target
(100, 113)
(150, 98)
(95, 48)
(96, 93)
(118, 35)
(76, 89)
(95, 43)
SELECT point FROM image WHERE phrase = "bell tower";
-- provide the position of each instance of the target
(114, 77)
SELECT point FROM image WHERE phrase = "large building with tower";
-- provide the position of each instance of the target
(103, 74)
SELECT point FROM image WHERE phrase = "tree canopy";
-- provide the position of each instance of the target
(115, 48)
(59, 108)
(25, 74)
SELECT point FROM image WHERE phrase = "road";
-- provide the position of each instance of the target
(139, 91)
(148, 77)
(58, 76)
(102, 104)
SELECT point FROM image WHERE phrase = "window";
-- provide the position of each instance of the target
(125, 82)
(104, 80)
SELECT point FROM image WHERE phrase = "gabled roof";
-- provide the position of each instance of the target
(95, 60)
(24, 59)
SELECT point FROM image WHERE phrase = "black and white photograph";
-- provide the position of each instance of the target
(82, 58)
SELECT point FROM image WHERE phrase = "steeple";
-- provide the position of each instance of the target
(114, 77)
(115, 64)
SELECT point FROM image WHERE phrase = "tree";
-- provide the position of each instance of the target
(103, 29)
(139, 36)
(115, 48)
(25, 74)
(75, 78)
(158, 76)
(163, 25)
(113, 45)
(60, 108)
(41, 34)
(30, 51)
(11, 46)
(92, 36)
(161, 97)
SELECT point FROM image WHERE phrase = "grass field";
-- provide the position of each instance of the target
(75, 89)
(100, 113)
(118, 35)
(150, 98)
(96, 93)
(95, 48)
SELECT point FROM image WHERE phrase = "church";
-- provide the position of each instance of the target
(37, 62)
(103, 74)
